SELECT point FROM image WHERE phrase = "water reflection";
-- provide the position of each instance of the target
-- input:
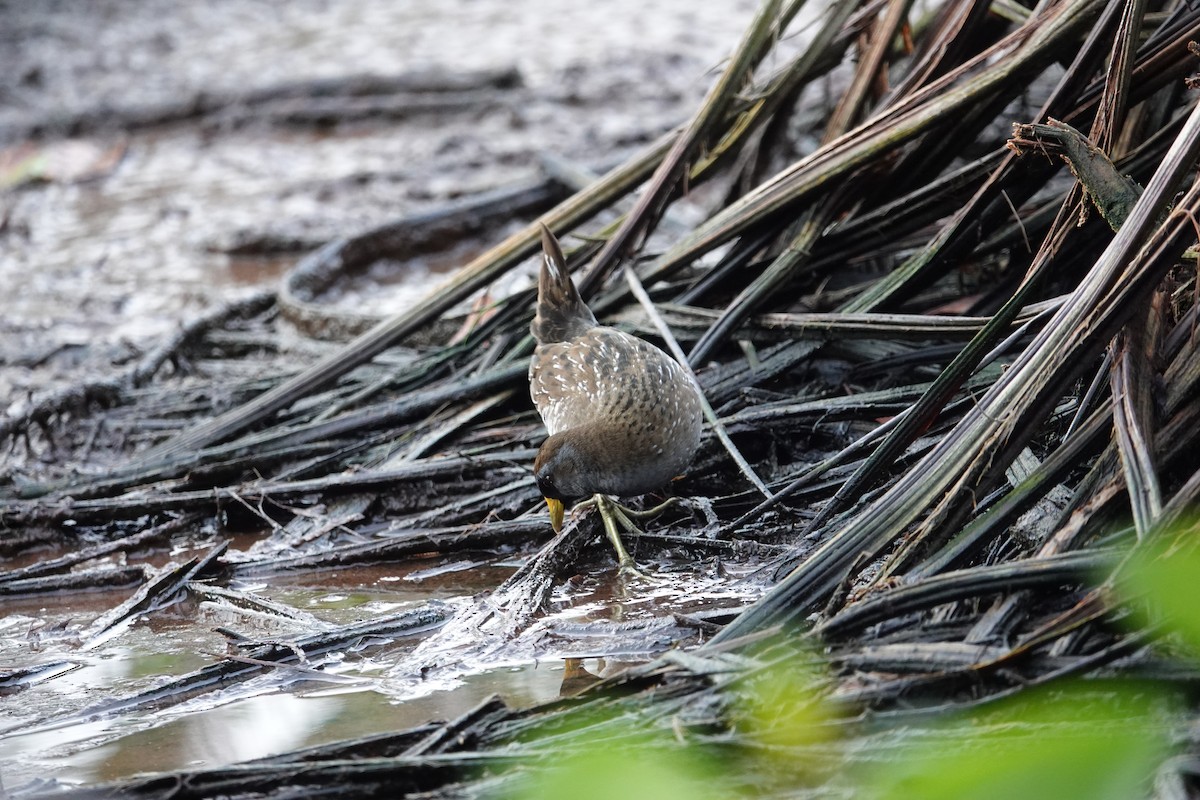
(256, 727)
(593, 623)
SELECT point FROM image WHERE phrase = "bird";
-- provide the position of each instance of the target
(623, 417)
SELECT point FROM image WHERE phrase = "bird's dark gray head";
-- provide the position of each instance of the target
(562, 469)
(592, 459)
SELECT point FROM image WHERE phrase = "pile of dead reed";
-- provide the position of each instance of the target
(947, 319)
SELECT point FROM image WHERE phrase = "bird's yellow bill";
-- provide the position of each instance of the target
(556, 513)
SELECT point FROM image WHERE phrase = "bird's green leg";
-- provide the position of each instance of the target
(646, 513)
(614, 516)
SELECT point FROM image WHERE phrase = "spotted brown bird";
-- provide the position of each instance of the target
(623, 417)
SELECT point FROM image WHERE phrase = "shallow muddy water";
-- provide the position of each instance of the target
(325, 710)
(596, 619)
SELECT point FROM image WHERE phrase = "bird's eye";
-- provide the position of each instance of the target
(547, 487)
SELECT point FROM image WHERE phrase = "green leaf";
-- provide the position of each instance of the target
(1161, 580)
(636, 768)
(1070, 745)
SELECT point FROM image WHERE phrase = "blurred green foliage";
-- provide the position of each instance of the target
(607, 758)
(1160, 582)
(1070, 742)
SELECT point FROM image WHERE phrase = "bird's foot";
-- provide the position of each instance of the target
(647, 513)
(614, 516)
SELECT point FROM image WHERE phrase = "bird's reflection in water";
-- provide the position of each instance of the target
(576, 678)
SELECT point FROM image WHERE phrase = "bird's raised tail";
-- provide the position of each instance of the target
(561, 313)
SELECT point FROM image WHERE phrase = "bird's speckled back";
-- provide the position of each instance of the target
(621, 411)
